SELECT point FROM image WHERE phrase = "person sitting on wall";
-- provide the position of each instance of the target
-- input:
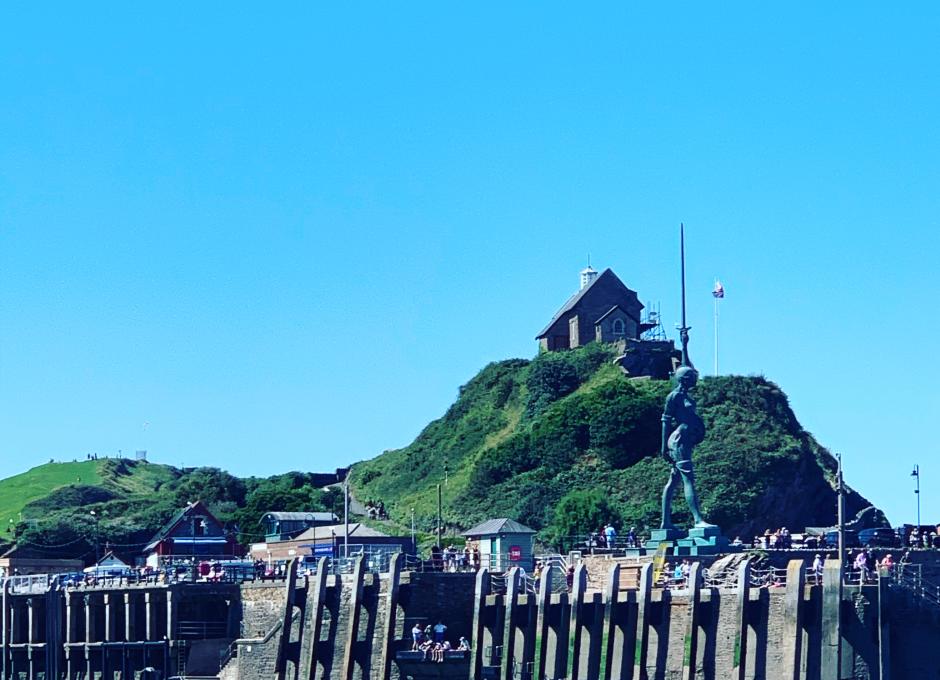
(464, 645)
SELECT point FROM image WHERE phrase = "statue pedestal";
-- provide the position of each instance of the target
(660, 536)
(705, 541)
(695, 541)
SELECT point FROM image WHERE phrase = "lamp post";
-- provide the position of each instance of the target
(94, 516)
(916, 475)
(346, 518)
(414, 545)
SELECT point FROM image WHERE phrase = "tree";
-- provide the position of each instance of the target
(577, 514)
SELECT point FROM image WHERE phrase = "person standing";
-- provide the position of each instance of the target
(817, 569)
(611, 535)
(439, 630)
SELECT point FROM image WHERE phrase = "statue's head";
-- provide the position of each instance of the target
(687, 376)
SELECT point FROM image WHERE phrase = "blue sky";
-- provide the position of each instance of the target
(285, 237)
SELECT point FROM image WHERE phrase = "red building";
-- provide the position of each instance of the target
(192, 533)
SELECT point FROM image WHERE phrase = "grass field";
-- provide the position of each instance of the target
(17, 491)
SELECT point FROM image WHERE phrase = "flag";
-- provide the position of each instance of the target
(719, 291)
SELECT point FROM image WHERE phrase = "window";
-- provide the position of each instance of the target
(618, 328)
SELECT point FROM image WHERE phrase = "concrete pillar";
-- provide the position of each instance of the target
(172, 613)
(308, 665)
(619, 652)
(111, 601)
(792, 638)
(690, 656)
(150, 615)
(355, 605)
(743, 591)
(831, 656)
(644, 596)
(287, 619)
(16, 616)
(391, 609)
(556, 642)
(90, 631)
(884, 636)
(577, 664)
(544, 600)
(71, 633)
(479, 605)
(510, 618)
(130, 616)
(33, 619)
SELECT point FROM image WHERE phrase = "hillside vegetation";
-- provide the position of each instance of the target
(562, 443)
(570, 428)
(50, 506)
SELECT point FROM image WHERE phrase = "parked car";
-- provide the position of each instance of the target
(882, 537)
(851, 539)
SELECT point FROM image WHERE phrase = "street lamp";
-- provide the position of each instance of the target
(97, 545)
(916, 475)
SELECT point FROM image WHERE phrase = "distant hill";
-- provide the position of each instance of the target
(524, 435)
(523, 438)
(47, 509)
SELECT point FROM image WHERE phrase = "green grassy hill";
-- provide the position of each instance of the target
(50, 505)
(18, 491)
(525, 436)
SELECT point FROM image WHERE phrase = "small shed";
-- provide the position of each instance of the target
(503, 543)
(108, 565)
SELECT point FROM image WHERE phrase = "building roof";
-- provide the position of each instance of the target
(110, 560)
(576, 298)
(300, 516)
(503, 525)
(355, 529)
(612, 310)
(167, 528)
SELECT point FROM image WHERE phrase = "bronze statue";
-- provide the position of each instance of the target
(683, 430)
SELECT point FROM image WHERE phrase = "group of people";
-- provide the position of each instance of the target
(867, 566)
(376, 510)
(677, 576)
(452, 559)
(925, 539)
(606, 538)
(775, 540)
(432, 641)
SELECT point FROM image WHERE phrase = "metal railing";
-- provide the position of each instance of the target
(201, 630)
(29, 584)
(912, 581)
(769, 577)
(724, 579)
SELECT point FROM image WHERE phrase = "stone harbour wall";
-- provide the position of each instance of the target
(356, 625)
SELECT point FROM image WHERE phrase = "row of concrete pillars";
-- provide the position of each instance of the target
(90, 633)
(794, 633)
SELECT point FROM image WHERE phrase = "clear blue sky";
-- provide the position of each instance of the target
(285, 237)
